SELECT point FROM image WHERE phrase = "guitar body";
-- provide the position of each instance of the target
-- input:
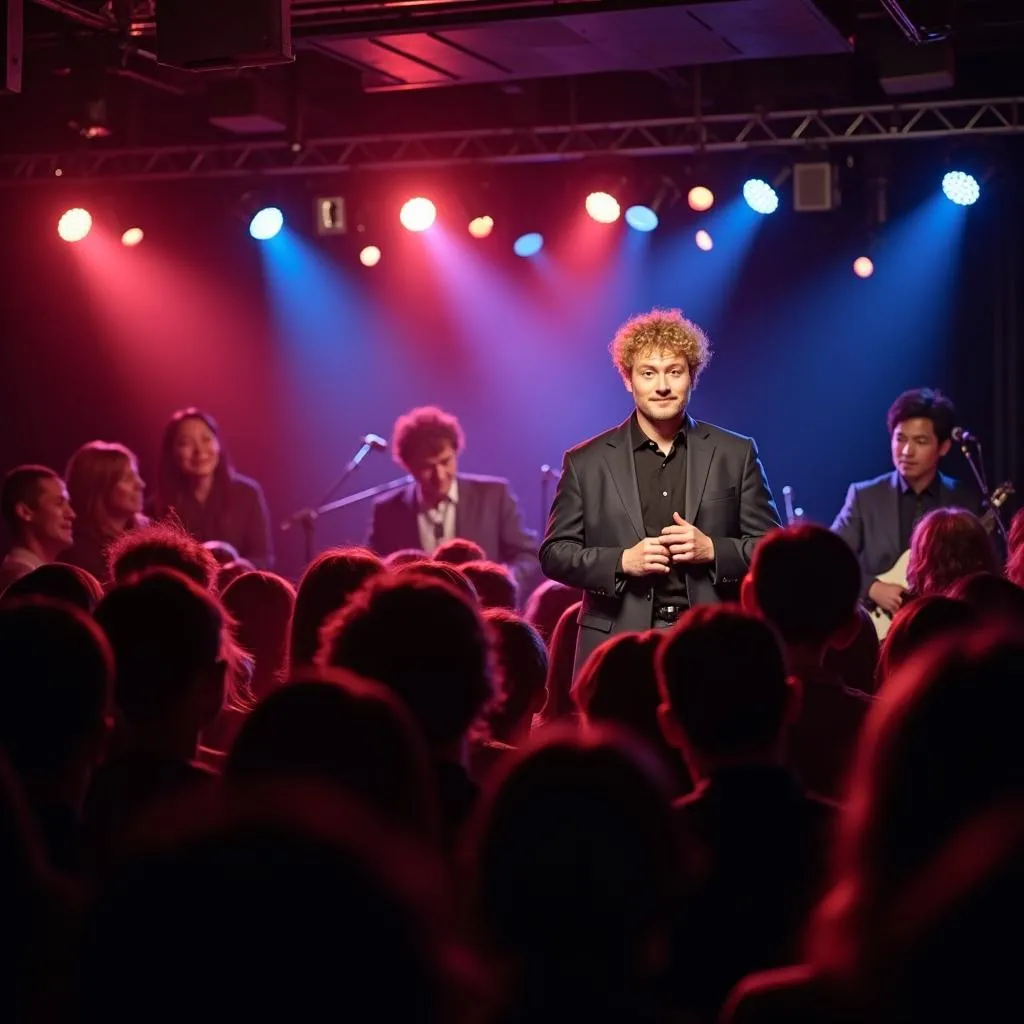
(882, 620)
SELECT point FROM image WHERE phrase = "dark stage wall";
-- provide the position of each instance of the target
(298, 350)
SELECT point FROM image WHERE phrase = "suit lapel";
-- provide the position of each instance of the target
(619, 456)
(892, 516)
(700, 450)
(465, 510)
(410, 517)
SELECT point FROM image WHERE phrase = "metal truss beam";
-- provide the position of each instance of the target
(543, 144)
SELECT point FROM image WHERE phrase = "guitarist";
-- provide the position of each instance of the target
(879, 515)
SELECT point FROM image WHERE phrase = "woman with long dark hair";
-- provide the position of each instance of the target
(196, 483)
(106, 493)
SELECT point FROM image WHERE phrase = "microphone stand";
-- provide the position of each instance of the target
(978, 472)
(306, 517)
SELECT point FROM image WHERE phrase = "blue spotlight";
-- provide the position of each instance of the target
(760, 196)
(641, 218)
(961, 188)
(266, 223)
(529, 244)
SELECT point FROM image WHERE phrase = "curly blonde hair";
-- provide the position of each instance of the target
(657, 331)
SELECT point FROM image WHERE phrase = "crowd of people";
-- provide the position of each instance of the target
(681, 780)
(385, 790)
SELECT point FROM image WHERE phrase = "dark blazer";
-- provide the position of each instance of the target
(596, 515)
(869, 521)
(486, 512)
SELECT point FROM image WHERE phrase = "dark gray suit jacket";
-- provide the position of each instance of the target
(596, 515)
(869, 521)
(486, 512)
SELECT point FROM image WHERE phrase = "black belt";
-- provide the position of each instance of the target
(670, 612)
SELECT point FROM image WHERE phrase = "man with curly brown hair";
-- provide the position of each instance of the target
(442, 504)
(662, 512)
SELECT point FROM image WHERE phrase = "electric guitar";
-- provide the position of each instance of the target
(881, 619)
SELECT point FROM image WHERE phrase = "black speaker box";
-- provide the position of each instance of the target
(207, 35)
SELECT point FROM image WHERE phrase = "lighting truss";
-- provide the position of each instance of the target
(541, 144)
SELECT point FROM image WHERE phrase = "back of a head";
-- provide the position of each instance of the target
(58, 582)
(306, 903)
(917, 624)
(561, 659)
(459, 551)
(230, 571)
(164, 630)
(806, 582)
(546, 604)
(21, 485)
(161, 546)
(495, 585)
(521, 666)
(57, 673)
(424, 641)
(443, 571)
(942, 747)
(991, 596)
(333, 726)
(722, 673)
(618, 684)
(261, 604)
(326, 586)
(574, 853)
(404, 556)
(947, 545)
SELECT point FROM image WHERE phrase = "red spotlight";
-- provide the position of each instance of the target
(132, 237)
(700, 198)
(481, 227)
(863, 267)
(369, 256)
(74, 224)
(418, 214)
(603, 208)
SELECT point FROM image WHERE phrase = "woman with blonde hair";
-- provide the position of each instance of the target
(106, 493)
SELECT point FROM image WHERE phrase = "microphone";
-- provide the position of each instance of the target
(547, 473)
(374, 441)
(962, 435)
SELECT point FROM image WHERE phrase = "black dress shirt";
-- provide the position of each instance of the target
(913, 506)
(661, 480)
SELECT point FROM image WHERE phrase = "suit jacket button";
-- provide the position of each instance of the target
(649, 594)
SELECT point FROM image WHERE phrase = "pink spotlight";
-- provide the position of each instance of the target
(418, 214)
(863, 267)
(603, 208)
(704, 241)
(369, 256)
(481, 227)
(132, 237)
(700, 198)
(74, 224)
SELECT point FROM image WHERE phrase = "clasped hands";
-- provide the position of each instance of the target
(681, 542)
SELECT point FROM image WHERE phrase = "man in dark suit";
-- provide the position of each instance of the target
(662, 512)
(441, 503)
(879, 515)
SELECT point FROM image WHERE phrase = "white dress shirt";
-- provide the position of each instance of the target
(436, 525)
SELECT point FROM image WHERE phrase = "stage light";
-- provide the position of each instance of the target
(961, 188)
(641, 218)
(266, 223)
(760, 196)
(481, 227)
(603, 207)
(132, 237)
(369, 256)
(529, 244)
(700, 198)
(704, 241)
(863, 267)
(74, 224)
(418, 214)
